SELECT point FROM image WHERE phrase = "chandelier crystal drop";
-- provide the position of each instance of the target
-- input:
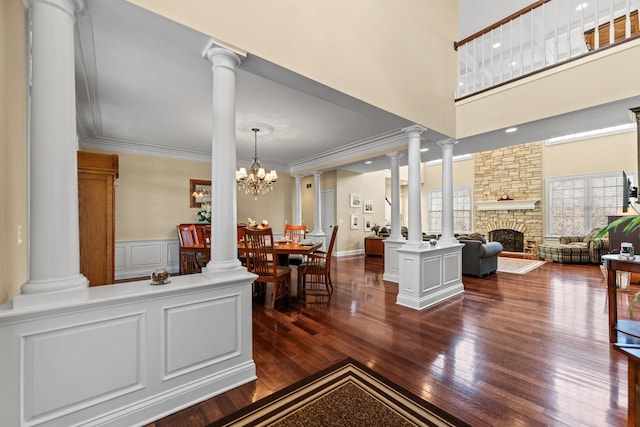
(256, 181)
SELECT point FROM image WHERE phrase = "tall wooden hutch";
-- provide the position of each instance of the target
(96, 202)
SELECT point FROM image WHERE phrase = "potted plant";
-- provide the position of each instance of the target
(630, 223)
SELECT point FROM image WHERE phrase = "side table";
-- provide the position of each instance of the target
(373, 246)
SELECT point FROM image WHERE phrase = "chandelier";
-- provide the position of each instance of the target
(257, 181)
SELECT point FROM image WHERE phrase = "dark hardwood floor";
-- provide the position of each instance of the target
(514, 350)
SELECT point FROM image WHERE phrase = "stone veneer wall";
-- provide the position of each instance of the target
(516, 171)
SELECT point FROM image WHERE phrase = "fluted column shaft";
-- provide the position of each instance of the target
(54, 235)
(224, 249)
(447, 190)
(396, 233)
(415, 221)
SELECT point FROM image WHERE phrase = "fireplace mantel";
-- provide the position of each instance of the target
(507, 205)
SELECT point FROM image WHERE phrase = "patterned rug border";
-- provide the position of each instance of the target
(530, 265)
(293, 398)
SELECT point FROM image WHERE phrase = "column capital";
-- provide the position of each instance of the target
(223, 56)
(415, 128)
(395, 155)
(317, 173)
(447, 143)
(69, 6)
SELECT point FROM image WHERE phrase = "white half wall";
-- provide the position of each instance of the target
(126, 354)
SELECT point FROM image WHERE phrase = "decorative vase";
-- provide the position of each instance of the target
(160, 276)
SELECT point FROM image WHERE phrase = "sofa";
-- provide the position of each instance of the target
(479, 257)
(585, 249)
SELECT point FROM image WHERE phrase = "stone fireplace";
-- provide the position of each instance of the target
(517, 172)
(510, 234)
(511, 240)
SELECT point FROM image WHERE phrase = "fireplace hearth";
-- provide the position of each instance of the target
(511, 240)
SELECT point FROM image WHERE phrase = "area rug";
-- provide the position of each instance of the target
(346, 394)
(517, 265)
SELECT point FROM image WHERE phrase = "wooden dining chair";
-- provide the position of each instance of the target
(240, 228)
(261, 260)
(299, 233)
(194, 252)
(314, 276)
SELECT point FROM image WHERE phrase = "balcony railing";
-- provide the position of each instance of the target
(546, 33)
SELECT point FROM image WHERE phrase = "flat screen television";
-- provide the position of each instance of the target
(628, 192)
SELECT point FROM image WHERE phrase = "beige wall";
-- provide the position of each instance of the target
(594, 80)
(152, 197)
(396, 55)
(13, 187)
(599, 155)
(370, 186)
(462, 174)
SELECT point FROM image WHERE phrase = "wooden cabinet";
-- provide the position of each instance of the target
(374, 246)
(96, 202)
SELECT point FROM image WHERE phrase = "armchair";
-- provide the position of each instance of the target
(479, 257)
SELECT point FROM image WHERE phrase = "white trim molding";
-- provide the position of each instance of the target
(507, 205)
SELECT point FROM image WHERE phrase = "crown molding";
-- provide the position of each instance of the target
(373, 145)
(135, 147)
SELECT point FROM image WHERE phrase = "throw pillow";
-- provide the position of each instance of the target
(477, 236)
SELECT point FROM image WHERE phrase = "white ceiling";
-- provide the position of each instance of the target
(143, 86)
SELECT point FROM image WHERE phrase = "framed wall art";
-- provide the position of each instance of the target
(354, 222)
(199, 192)
(354, 200)
(367, 206)
(368, 223)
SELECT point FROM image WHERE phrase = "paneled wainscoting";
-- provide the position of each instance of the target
(138, 258)
(125, 354)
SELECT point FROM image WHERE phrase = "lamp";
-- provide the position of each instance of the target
(256, 181)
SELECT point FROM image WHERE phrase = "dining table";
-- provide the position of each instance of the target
(284, 249)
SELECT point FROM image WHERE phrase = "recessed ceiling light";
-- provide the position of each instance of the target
(511, 130)
(497, 45)
(581, 6)
(514, 63)
(368, 162)
(424, 150)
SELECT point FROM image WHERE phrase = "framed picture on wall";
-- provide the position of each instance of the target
(354, 222)
(367, 206)
(354, 200)
(368, 223)
(199, 192)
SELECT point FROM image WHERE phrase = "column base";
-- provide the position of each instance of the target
(429, 275)
(391, 260)
(50, 292)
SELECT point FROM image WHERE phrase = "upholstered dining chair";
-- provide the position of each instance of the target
(299, 233)
(314, 277)
(261, 260)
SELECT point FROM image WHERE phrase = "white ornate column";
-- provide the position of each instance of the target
(428, 274)
(54, 236)
(395, 239)
(317, 233)
(317, 205)
(224, 249)
(414, 220)
(447, 191)
(297, 201)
